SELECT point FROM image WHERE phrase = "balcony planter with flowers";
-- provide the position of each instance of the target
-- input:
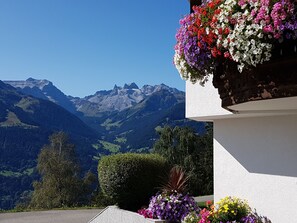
(249, 46)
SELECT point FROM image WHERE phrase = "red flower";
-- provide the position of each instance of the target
(226, 31)
(226, 54)
(211, 5)
(220, 31)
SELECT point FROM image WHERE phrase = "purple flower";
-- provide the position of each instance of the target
(172, 207)
(198, 58)
(255, 218)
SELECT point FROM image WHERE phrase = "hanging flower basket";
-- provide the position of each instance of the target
(249, 46)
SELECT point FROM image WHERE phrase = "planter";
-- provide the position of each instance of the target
(113, 214)
(274, 79)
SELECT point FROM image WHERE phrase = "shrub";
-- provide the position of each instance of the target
(101, 200)
(131, 179)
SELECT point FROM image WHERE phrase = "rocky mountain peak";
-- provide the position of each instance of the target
(131, 86)
(121, 98)
(30, 79)
(30, 83)
(116, 87)
(43, 89)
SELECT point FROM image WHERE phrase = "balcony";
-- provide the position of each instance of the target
(204, 104)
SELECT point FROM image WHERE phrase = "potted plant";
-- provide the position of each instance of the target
(227, 210)
(249, 46)
(172, 204)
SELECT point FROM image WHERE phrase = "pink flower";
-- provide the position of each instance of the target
(204, 213)
(268, 29)
(146, 213)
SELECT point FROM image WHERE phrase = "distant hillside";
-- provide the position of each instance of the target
(134, 129)
(25, 124)
(43, 89)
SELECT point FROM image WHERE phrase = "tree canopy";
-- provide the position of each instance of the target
(181, 146)
(60, 183)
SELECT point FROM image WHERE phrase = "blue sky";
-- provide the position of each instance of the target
(87, 45)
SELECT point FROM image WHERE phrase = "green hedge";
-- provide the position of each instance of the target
(131, 179)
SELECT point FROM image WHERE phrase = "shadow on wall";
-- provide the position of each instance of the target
(265, 145)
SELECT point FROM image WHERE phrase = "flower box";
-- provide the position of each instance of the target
(248, 46)
(276, 78)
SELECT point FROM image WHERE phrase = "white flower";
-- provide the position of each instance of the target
(180, 65)
(240, 67)
(246, 44)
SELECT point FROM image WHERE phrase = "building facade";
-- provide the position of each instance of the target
(255, 150)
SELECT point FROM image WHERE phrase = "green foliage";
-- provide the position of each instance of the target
(89, 184)
(108, 124)
(13, 120)
(8, 173)
(181, 146)
(101, 200)
(9, 190)
(120, 140)
(60, 185)
(111, 147)
(131, 179)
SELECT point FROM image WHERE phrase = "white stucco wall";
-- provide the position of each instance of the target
(113, 214)
(255, 150)
(256, 159)
(203, 102)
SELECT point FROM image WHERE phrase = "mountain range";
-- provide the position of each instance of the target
(117, 99)
(118, 120)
